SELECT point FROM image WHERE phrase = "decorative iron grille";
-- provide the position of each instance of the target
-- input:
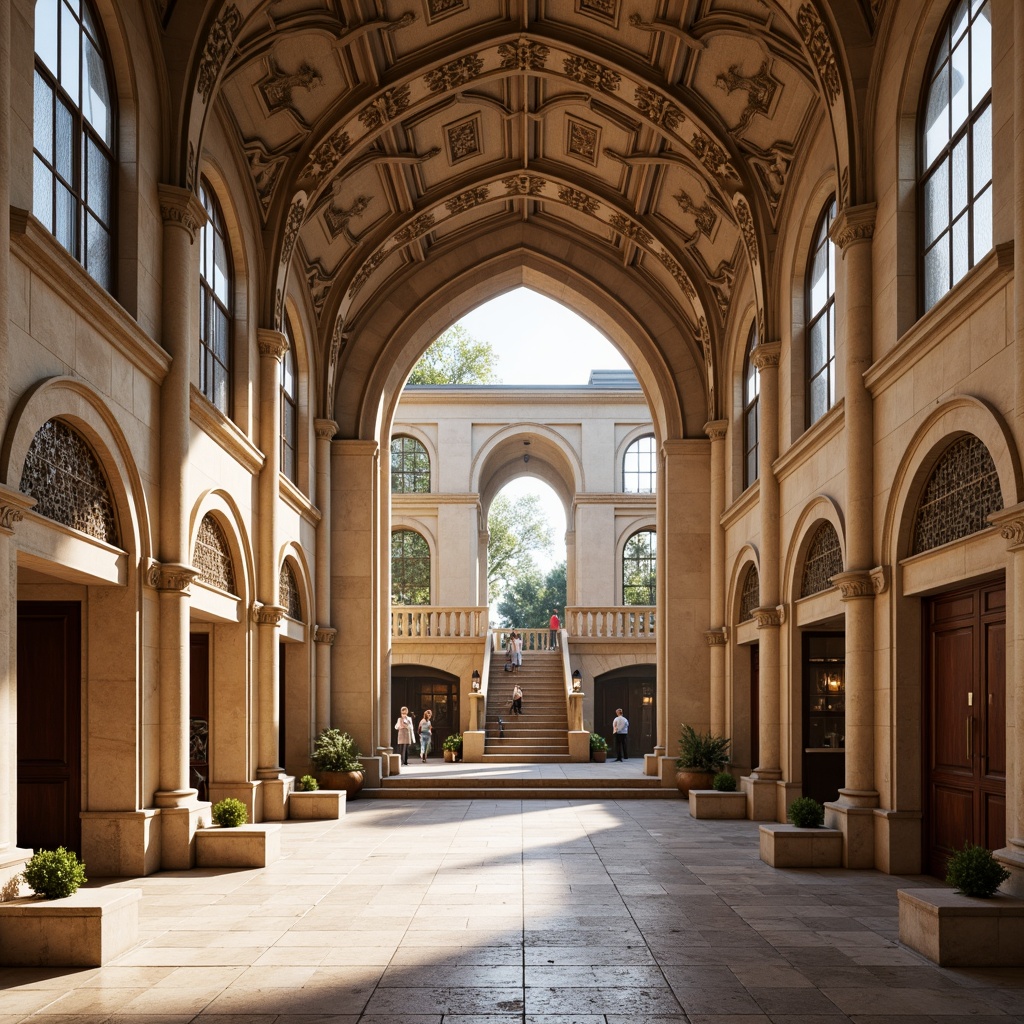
(212, 556)
(750, 596)
(288, 592)
(961, 493)
(64, 476)
(824, 560)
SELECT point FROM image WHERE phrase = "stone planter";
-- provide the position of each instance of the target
(710, 803)
(786, 846)
(88, 929)
(962, 931)
(348, 782)
(247, 846)
(691, 778)
(451, 756)
(599, 756)
(319, 805)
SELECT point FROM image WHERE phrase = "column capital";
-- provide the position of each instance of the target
(179, 206)
(766, 354)
(880, 577)
(273, 344)
(853, 585)
(170, 576)
(770, 618)
(325, 429)
(13, 506)
(854, 224)
(1010, 522)
(716, 637)
(716, 429)
(325, 635)
(268, 614)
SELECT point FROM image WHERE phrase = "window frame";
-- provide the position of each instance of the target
(404, 577)
(826, 312)
(751, 407)
(289, 404)
(208, 297)
(651, 561)
(402, 472)
(650, 474)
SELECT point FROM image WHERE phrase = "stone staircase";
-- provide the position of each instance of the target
(463, 786)
(541, 734)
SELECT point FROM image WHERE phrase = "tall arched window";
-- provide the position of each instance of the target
(751, 415)
(410, 568)
(289, 409)
(73, 135)
(215, 289)
(956, 151)
(640, 467)
(640, 569)
(410, 466)
(821, 320)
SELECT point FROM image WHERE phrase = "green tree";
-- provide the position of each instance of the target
(516, 530)
(456, 357)
(528, 602)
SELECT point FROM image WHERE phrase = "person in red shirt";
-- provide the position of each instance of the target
(555, 626)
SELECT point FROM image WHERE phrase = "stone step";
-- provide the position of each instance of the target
(459, 780)
(442, 792)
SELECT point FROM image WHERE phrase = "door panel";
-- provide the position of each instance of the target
(199, 713)
(633, 690)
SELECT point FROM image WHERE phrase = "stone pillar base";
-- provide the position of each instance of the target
(473, 746)
(858, 827)
(762, 798)
(121, 844)
(275, 797)
(249, 792)
(579, 746)
(385, 761)
(178, 827)
(785, 794)
(652, 763)
(666, 770)
(12, 862)
(1012, 858)
(898, 842)
(374, 769)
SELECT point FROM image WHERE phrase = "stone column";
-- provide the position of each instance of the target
(324, 635)
(183, 216)
(852, 232)
(715, 637)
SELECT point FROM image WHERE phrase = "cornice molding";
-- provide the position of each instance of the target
(221, 430)
(811, 441)
(854, 224)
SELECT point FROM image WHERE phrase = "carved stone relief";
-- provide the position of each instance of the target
(712, 156)
(463, 139)
(524, 185)
(704, 217)
(760, 88)
(771, 168)
(578, 200)
(467, 200)
(218, 46)
(386, 107)
(277, 85)
(590, 73)
(582, 140)
(318, 280)
(416, 227)
(523, 55)
(657, 108)
(630, 229)
(439, 8)
(816, 39)
(325, 157)
(606, 10)
(265, 169)
(454, 73)
(337, 216)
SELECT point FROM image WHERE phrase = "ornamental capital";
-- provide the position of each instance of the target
(853, 585)
(1011, 525)
(272, 343)
(325, 635)
(171, 577)
(716, 637)
(716, 429)
(854, 224)
(13, 505)
(325, 429)
(766, 354)
(268, 614)
(880, 578)
(179, 206)
(770, 618)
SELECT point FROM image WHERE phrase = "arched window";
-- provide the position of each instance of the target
(288, 591)
(639, 568)
(640, 467)
(751, 415)
(821, 320)
(824, 560)
(212, 556)
(410, 466)
(410, 568)
(750, 595)
(289, 410)
(73, 135)
(956, 151)
(215, 289)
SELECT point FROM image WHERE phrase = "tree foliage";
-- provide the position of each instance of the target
(516, 530)
(528, 601)
(456, 357)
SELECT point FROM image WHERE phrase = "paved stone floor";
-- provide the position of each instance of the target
(508, 912)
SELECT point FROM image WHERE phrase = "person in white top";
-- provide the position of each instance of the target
(406, 734)
(620, 728)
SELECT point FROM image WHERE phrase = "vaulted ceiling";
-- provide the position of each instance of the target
(376, 135)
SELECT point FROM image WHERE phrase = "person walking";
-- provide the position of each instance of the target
(517, 700)
(406, 735)
(620, 730)
(515, 644)
(426, 728)
(555, 626)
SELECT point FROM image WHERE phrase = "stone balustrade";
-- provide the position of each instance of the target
(618, 622)
(423, 622)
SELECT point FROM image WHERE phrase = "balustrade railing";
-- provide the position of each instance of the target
(630, 622)
(533, 639)
(431, 622)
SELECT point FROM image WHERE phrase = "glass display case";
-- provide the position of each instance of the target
(825, 688)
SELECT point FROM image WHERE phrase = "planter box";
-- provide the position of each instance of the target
(88, 929)
(962, 931)
(786, 846)
(319, 805)
(710, 803)
(248, 846)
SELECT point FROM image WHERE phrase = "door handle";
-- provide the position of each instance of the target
(970, 738)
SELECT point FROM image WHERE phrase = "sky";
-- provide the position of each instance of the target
(540, 341)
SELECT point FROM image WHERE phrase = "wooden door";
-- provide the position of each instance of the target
(422, 691)
(49, 724)
(634, 690)
(199, 713)
(965, 722)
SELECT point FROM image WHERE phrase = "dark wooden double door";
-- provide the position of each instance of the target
(634, 690)
(421, 690)
(965, 721)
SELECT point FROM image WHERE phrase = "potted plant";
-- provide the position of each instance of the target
(336, 759)
(701, 757)
(598, 748)
(974, 871)
(452, 747)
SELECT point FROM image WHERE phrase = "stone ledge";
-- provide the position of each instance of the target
(786, 846)
(87, 929)
(953, 930)
(247, 846)
(710, 803)
(318, 805)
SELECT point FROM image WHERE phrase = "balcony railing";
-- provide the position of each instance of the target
(421, 622)
(618, 622)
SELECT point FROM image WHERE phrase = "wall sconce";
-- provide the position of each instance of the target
(577, 681)
(476, 681)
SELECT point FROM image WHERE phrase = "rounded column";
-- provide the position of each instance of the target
(715, 637)
(324, 635)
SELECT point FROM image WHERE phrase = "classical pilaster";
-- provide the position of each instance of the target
(5, 206)
(716, 431)
(325, 431)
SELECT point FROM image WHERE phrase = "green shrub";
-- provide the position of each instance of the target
(453, 742)
(336, 751)
(973, 871)
(308, 784)
(724, 783)
(230, 813)
(701, 752)
(806, 813)
(597, 742)
(55, 874)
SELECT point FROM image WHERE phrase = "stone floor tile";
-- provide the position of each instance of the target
(447, 1000)
(447, 976)
(793, 1001)
(632, 1002)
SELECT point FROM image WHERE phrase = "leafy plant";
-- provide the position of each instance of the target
(702, 752)
(973, 871)
(336, 751)
(597, 742)
(453, 742)
(54, 874)
(229, 813)
(805, 812)
(307, 784)
(11, 889)
(724, 782)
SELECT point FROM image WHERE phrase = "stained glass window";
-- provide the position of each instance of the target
(212, 556)
(824, 560)
(750, 595)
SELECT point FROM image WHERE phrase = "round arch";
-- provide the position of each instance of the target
(225, 511)
(747, 557)
(820, 509)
